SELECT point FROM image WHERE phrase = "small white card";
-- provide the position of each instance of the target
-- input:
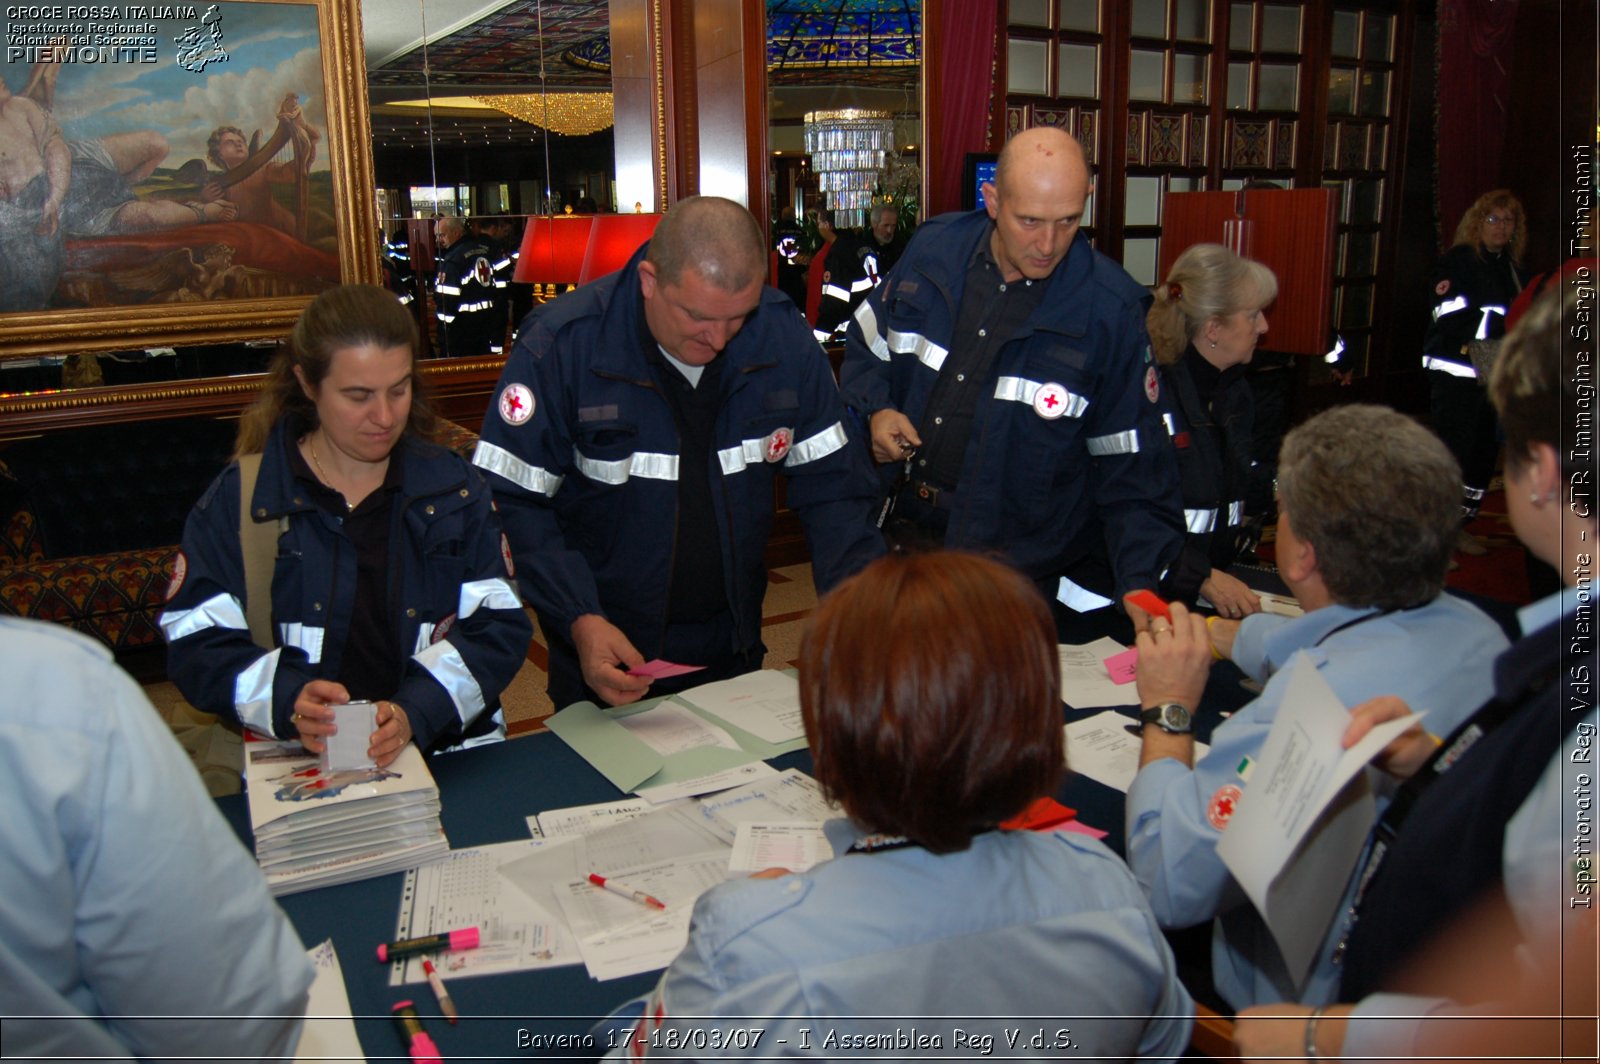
(347, 748)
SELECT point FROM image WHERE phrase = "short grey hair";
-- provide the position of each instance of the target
(717, 238)
(1378, 497)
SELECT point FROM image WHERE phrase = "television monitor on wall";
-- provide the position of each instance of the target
(978, 171)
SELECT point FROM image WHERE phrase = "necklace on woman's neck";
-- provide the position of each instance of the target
(311, 442)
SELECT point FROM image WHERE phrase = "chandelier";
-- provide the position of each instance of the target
(570, 113)
(848, 149)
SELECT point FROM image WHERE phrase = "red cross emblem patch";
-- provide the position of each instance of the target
(442, 629)
(505, 552)
(516, 404)
(1050, 401)
(1223, 805)
(180, 569)
(482, 272)
(776, 445)
(1152, 384)
(1442, 287)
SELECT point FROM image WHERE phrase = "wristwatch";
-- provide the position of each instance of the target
(1170, 717)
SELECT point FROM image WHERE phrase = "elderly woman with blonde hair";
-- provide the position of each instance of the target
(1204, 325)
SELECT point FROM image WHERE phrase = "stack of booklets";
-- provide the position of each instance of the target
(315, 828)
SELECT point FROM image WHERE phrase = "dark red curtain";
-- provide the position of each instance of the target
(1475, 46)
(964, 68)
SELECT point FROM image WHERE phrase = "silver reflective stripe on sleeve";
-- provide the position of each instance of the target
(444, 663)
(1171, 423)
(501, 461)
(646, 464)
(869, 330)
(252, 693)
(1076, 597)
(1116, 443)
(928, 353)
(218, 611)
(1198, 521)
(736, 459)
(1236, 513)
(865, 284)
(821, 335)
(447, 289)
(1449, 306)
(1471, 492)
(833, 291)
(494, 594)
(498, 734)
(1455, 369)
(302, 637)
(817, 446)
(1022, 390)
(1337, 350)
(1483, 322)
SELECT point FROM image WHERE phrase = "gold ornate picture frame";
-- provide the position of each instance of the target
(203, 171)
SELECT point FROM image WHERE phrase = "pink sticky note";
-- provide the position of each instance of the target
(1121, 666)
(660, 670)
(1078, 827)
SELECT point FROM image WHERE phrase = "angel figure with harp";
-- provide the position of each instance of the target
(251, 171)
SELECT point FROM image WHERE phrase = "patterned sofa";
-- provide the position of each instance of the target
(90, 519)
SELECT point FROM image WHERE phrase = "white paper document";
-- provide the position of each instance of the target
(794, 845)
(671, 729)
(658, 836)
(591, 910)
(789, 796)
(1085, 684)
(1102, 748)
(582, 819)
(329, 1033)
(765, 703)
(708, 784)
(1305, 815)
(470, 888)
(646, 946)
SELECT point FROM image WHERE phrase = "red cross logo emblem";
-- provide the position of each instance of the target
(1152, 384)
(516, 404)
(777, 445)
(483, 272)
(1050, 401)
(1223, 805)
(180, 569)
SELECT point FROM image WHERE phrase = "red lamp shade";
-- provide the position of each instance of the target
(552, 249)
(614, 240)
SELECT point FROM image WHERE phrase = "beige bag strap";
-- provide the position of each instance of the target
(258, 545)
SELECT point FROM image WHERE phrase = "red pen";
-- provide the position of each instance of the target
(446, 1006)
(637, 895)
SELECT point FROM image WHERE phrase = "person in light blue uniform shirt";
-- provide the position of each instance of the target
(1366, 527)
(132, 922)
(1489, 848)
(933, 931)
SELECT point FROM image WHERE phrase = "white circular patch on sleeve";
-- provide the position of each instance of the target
(516, 404)
(1050, 401)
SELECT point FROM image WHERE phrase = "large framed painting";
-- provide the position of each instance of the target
(179, 173)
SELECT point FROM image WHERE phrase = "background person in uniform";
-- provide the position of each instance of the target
(1474, 286)
(1480, 857)
(391, 581)
(464, 290)
(929, 908)
(1012, 359)
(857, 263)
(498, 233)
(1366, 526)
(635, 442)
(133, 923)
(1204, 325)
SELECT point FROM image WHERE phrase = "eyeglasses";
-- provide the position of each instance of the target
(1500, 219)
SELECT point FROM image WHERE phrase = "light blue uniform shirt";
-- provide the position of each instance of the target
(1039, 943)
(124, 895)
(1438, 657)
(1538, 870)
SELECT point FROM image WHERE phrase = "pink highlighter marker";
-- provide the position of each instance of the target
(418, 1044)
(465, 938)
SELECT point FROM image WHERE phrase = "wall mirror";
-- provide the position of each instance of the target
(844, 106)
